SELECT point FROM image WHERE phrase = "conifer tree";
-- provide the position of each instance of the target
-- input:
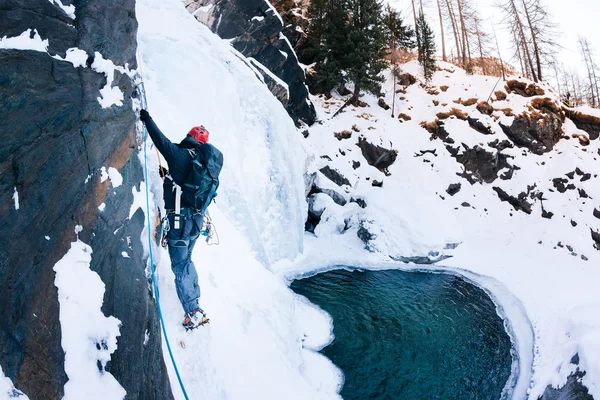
(399, 36)
(427, 48)
(365, 59)
(329, 37)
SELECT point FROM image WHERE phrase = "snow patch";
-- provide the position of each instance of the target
(88, 336)
(257, 18)
(115, 177)
(101, 207)
(75, 56)
(25, 41)
(16, 198)
(103, 174)
(124, 254)
(69, 10)
(109, 95)
(47, 237)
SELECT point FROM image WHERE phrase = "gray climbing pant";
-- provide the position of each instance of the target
(181, 243)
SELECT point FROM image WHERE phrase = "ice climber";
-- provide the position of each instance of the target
(190, 184)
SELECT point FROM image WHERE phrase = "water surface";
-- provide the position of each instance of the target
(412, 335)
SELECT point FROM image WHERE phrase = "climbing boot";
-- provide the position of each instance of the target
(194, 319)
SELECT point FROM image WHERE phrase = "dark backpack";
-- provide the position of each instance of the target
(201, 184)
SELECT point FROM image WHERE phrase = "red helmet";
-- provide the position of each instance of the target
(199, 133)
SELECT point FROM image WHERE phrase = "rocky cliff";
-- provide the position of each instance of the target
(63, 125)
(255, 29)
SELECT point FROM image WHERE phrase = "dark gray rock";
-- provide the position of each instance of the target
(255, 30)
(54, 134)
(596, 213)
(377, 183)
(519, 203)
(595, 238)
(561, 184)
(355, 164)
(337, 198)
(361, 202)
(587, 123)
(314, 215)
(377, 156)
(547, 214)
(501, 145)
(453, 188)
(479, 126)
(539, 135)
(482, 165)
(573, 389)
(364, 235)
(334, 176)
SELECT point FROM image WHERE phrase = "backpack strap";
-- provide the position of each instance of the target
(210, 196)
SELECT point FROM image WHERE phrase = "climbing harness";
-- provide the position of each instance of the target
(151, 258)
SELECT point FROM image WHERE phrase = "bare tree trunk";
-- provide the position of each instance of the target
(417, 31)
(518, 46)
(499, 55)
(454, 27)
(463, 33)
(394, 92)
(527, 54)
(536, 50)
(560, 93)
(586, 55)
(481, 60)
(442, 30)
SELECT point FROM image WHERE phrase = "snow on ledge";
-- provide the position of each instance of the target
(69, 10)
(88, 336)
(25, 41)
(109, 95)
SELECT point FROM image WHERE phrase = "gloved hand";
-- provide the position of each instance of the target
(162, 171)
(144, 116)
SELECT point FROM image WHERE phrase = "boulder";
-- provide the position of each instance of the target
(255, 29)
(519, 203)
(482, 165)
(573, 389)
(377, 156)
(55, 139)
(334, 176)
(537, 132)
(479, 126)
(453, 188)
(585, 122)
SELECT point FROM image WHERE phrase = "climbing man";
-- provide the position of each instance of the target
(190, 185)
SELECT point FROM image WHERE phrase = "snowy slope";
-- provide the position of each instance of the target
(546, 289)
(251, 349)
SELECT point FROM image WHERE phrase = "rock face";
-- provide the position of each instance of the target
(55, 139)
(539, 134)
(255, 30)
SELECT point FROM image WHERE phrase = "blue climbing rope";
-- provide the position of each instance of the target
(155, 285)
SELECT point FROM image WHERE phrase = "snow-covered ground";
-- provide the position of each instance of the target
(547, 291)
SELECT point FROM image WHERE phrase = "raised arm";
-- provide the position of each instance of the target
(164, 145)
